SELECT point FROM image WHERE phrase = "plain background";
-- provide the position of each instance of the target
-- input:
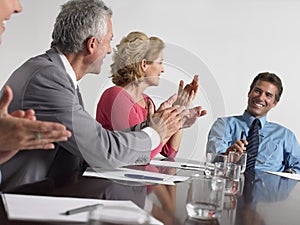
(226, 42)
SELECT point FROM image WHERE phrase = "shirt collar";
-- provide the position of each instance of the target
(249, 119)
(68, 68)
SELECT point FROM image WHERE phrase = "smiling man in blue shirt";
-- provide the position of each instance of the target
(278, 148)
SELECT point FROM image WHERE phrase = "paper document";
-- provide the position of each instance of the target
(287, 175)
(183, 165)
(134, 175)
(52, 209)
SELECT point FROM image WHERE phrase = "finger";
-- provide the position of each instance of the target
(180, 87)
(40, 146)
(51, 136)
(18, 113)
(203, 113)
(186, 98)
(40, 126)
(197, 111)
(195, 80)
(45, 140)
(237, 148)
(30, 114)
(196, 84)
(245, 142)
(181, 84)
(5, 100)
(191, 96)
(241, 144)
(196, 89)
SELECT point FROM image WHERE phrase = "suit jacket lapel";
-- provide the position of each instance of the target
(54, 57)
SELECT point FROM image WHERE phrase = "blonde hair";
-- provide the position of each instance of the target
(130, 52)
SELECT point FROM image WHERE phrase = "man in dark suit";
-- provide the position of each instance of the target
(48, 84)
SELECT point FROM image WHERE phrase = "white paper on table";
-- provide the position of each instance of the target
(287, 175)
(182, 165)
(52, 209)
(119, 174)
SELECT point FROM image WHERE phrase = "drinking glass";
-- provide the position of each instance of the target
(211, 159)
(219, 169)
(237, 158)
(205, 197)
(232, 178)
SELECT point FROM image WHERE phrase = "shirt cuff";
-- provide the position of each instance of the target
(154, 136)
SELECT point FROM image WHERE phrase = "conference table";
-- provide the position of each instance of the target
(274, 200)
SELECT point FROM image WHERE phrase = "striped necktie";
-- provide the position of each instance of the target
(248, 185)
(253, 142)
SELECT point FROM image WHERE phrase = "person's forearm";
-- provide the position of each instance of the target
(174, 140)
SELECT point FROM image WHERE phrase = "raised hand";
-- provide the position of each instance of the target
(191, 115)
(20, 130)
(187, 94)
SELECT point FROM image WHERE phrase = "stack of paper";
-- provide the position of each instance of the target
(53, 209)
(181, 165)
(127, 174)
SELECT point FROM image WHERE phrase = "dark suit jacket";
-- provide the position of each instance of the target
(42, 84)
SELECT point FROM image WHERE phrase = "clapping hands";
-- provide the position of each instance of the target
(184, 97)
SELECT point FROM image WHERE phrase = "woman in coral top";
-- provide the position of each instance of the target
(137, 65)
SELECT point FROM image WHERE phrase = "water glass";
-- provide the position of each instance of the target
(229, 210)
(237, 158)
(219, 169)
(232, 177)
(211, 159)
(205, 197)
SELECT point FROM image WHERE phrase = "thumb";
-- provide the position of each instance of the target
(181, 84)
(5, 100)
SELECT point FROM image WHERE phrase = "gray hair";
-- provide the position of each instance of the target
(77, 21)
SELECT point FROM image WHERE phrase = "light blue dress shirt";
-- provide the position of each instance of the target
(278, 150)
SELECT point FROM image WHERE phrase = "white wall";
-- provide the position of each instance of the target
(226, 42)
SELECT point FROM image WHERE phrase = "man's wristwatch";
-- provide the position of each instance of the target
(144, 124)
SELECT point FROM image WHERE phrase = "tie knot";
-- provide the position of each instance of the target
(256, 123)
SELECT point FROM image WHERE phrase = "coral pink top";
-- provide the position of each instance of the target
(116, 110)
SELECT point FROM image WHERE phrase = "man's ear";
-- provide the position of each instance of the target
(91, 44)
(274, 104)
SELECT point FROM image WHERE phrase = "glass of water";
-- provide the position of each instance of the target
(232, 178)
(237, 158)
(205, 197)
(211, 159)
